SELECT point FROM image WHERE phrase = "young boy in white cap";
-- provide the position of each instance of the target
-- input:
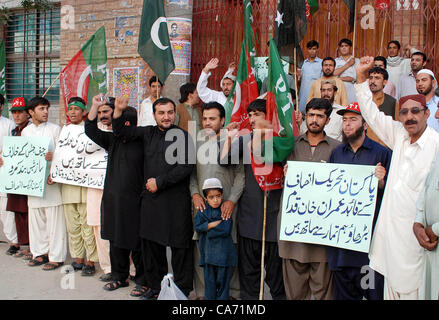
(217, 251)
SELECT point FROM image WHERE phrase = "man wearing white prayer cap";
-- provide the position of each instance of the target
(425, 85)
(208, 95)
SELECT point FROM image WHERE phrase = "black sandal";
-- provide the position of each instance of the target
(138, 291)
(35, 262)
(52, 265)
(113, 285)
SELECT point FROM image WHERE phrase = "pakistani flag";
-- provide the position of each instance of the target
(351, 6)
(86, 74)
(290, 28)
(311, 8)
(154, 44)
(245, 89)
(5, 112)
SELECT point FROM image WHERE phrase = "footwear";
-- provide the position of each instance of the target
(113, 285)
(88, 271)
(12, 250)
(106, 277)
(18, 254)
(151, 294)
(77, 266)
(35, 262)
(28, 256)
(52, 266)
(138, 291)
(130, 277)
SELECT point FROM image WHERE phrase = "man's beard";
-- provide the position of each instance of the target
(376, 89)
(427, 91)
(357, 135)
(328, 75)
(330, 100)
(315, 130)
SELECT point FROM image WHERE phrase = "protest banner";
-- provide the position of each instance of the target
(329, 204)
(24, 165)
(77, 160)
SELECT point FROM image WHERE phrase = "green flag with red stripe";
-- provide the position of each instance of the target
(245, 89)
(311, 8)
(280, 108)
(86, 74)
(282, 118)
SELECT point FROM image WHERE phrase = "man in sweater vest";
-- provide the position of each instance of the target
(188, 109)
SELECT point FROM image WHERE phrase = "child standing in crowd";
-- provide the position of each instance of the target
(217, 252)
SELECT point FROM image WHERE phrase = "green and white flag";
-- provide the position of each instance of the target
(154, 44)
(5, 112)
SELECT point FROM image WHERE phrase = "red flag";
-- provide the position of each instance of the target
(382, 4)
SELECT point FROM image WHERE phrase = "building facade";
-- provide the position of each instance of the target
(40, 42)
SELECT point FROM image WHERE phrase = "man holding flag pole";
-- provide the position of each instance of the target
(272, 131)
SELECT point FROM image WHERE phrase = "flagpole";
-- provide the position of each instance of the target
(51, 85)
(295, 78)
(261, 290)
(382, 34)
(355, 28)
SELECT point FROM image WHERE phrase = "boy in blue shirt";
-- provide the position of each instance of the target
(217, 251)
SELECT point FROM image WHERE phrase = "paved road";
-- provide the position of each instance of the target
(19, 281)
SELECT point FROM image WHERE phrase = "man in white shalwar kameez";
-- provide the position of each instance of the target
(398, 66)
(47, 224)
(426, 229)
(394, 251)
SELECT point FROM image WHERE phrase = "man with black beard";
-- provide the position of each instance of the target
(305, 266)
(328, 91)
(348, 266)
(425, 83)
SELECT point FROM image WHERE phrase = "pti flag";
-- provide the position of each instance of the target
(5, 112)
(351, 6)
(154, 44)
(245, 89)
(290, 28)
(311, 8)
(86, 74)
(280, 113)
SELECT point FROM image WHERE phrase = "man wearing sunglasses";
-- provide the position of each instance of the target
(394, 251)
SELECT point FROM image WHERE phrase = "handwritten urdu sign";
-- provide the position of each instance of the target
(24, 165)
(77, 160)
(329, 204)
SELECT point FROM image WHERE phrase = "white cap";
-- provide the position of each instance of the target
(212, 183)
(427, 71)
(228, 75)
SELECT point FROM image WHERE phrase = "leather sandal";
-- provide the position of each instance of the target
(35, 262)
(113, 285)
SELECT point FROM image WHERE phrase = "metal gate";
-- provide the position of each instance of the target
(218, 29)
